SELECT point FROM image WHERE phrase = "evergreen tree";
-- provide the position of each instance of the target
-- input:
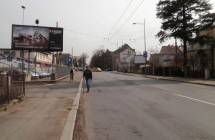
(184, 19)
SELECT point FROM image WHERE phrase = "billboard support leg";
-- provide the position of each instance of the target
(29, 61)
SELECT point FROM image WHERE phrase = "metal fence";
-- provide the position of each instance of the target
(12, 86)
(4, 92)
(61, 71)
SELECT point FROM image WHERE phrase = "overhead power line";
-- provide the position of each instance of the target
(130, 16)
(121, 16)
(82, 33)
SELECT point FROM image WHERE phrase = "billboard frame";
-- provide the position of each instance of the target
(48, 49)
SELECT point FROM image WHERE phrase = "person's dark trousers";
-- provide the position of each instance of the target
(88, 84)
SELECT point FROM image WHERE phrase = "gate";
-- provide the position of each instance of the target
(12, 86)
(4, 92)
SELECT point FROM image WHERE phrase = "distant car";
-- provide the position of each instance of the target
(80, 69)
(99, 70)
(35, 75)
(44, 74)
(108, 69)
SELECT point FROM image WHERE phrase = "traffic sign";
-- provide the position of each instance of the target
(145, 54)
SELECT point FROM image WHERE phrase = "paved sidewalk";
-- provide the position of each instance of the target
(43, 113)
(179, 79)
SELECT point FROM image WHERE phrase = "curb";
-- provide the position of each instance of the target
(70, 123)
(190, 82)
(167, 79)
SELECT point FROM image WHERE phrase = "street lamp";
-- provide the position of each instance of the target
(23, 21)
(145, 52)
(23, 14)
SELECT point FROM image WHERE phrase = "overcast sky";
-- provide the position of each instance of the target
(88, 24)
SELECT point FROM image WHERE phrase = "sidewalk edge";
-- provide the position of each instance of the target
(160, 78)
(70, 122)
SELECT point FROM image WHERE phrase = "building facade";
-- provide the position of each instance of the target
(123, 58)
(201, 57)
(167, 62)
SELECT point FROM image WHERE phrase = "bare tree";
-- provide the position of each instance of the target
(102, 59)
(83, 60)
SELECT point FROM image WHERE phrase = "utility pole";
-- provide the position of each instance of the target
(176, 53)
(72, 58)
(145, 53)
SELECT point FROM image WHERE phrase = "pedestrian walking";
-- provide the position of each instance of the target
(71, 75)
(87, 75)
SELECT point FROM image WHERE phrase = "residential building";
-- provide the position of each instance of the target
(202, 57)
(167, 61)
(33, 61)
(124, 58)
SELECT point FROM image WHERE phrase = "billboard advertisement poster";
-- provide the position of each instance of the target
(37, 38)
(139, 59)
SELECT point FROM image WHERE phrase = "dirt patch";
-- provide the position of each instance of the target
(80, 124)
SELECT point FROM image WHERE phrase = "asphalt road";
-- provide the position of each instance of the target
(122, 107)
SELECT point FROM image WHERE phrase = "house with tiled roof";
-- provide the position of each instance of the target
(123, 58)
(165, 62)
(201, 57)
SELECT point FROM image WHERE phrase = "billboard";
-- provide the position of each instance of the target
(37, 38)
(139, 59)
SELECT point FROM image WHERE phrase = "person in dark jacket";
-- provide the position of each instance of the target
(87, 75)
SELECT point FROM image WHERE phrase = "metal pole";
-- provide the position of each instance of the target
(52, 62)
(29, 61)
(176, 56)
(23, 22)
(37, 22)
(72, 58)
(145, 46)
(35, 63)
(23, 15)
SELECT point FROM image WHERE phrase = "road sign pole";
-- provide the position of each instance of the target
(145, 53)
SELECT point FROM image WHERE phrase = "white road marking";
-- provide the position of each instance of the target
(194, 99)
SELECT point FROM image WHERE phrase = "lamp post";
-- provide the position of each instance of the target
(35, 62)
(145, 54)
(23, 14)
(23, 22)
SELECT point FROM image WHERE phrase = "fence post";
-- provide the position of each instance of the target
(24, 84)
(8, 87)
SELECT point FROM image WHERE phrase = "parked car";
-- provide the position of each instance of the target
(96, 69)
(44, 74)
(35, 75)
(108, 69)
